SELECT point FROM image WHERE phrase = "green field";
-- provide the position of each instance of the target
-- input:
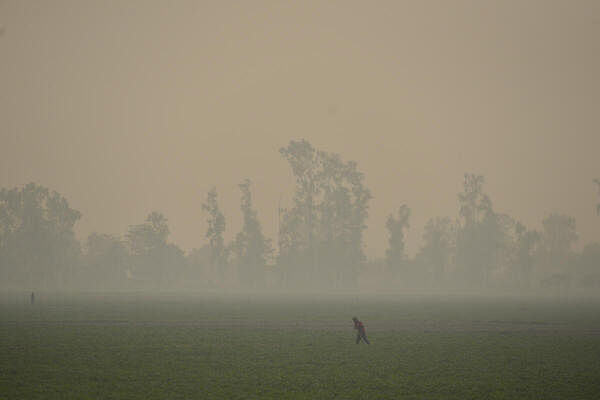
(137, 346)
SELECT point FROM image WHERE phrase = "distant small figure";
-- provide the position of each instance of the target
(32, 298)
(361, 331)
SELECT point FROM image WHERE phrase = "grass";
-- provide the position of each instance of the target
(135, 346)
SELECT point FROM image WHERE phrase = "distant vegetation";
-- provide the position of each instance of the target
(320, 243)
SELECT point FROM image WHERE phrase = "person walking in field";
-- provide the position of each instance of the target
(361, 331)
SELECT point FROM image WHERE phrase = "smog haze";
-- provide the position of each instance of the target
(129, 107)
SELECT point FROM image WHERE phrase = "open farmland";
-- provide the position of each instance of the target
(137, 346)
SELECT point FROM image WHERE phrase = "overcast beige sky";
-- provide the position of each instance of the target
(130, 106)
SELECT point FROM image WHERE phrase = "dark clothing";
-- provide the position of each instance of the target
(361, 334)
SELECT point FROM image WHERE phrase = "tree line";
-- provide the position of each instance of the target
(319, 243)
(483, 249)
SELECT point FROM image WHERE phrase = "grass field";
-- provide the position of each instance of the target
(137, 346)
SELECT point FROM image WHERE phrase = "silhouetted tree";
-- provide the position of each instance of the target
(480, 233)
(198, 263)
(293, 247)
(250, 248)
(321, 235)
(342, 212)
(395, 254)
(150, 235)
(214, 233)
(439, 241)
(524, 257)
(37, 243)
(589, 266)
(558, 236)
(107, 261)
(475, 205)
(154, 260)
(505, 238)
(299, 253)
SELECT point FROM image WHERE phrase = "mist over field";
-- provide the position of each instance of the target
(299, 200)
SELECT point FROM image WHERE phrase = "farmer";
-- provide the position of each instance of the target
(361, 331)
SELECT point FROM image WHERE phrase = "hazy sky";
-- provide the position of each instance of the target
(130, 106)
